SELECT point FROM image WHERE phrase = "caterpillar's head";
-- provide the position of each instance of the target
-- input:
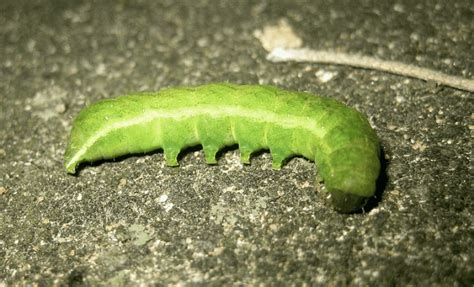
(346, 202)
(348, 192)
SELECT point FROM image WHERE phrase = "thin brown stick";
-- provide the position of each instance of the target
(393, 67)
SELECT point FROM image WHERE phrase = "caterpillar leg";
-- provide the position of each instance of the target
(278, 156)
(171, 156)
(210, 152)
(245, 153)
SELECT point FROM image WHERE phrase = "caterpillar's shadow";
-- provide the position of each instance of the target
(381, 184)
(99, 162)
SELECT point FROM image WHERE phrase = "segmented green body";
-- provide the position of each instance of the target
(338, 138)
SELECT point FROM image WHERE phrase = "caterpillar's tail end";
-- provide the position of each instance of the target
(72, 159)
(70, 167)
(346, 202)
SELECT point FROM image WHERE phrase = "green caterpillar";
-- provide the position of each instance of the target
(338, 138)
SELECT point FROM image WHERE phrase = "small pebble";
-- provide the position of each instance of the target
(122, 183)
(3, 190)
(163, 198)
(60, 108)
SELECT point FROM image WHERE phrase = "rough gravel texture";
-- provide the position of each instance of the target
(137, 222)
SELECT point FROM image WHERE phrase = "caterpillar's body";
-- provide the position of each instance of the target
(255, 117)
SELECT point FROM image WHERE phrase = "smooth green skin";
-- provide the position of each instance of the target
(338, 138)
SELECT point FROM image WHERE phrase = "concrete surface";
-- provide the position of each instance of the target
(136, 222)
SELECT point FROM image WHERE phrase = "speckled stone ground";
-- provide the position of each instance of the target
(136, 222)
